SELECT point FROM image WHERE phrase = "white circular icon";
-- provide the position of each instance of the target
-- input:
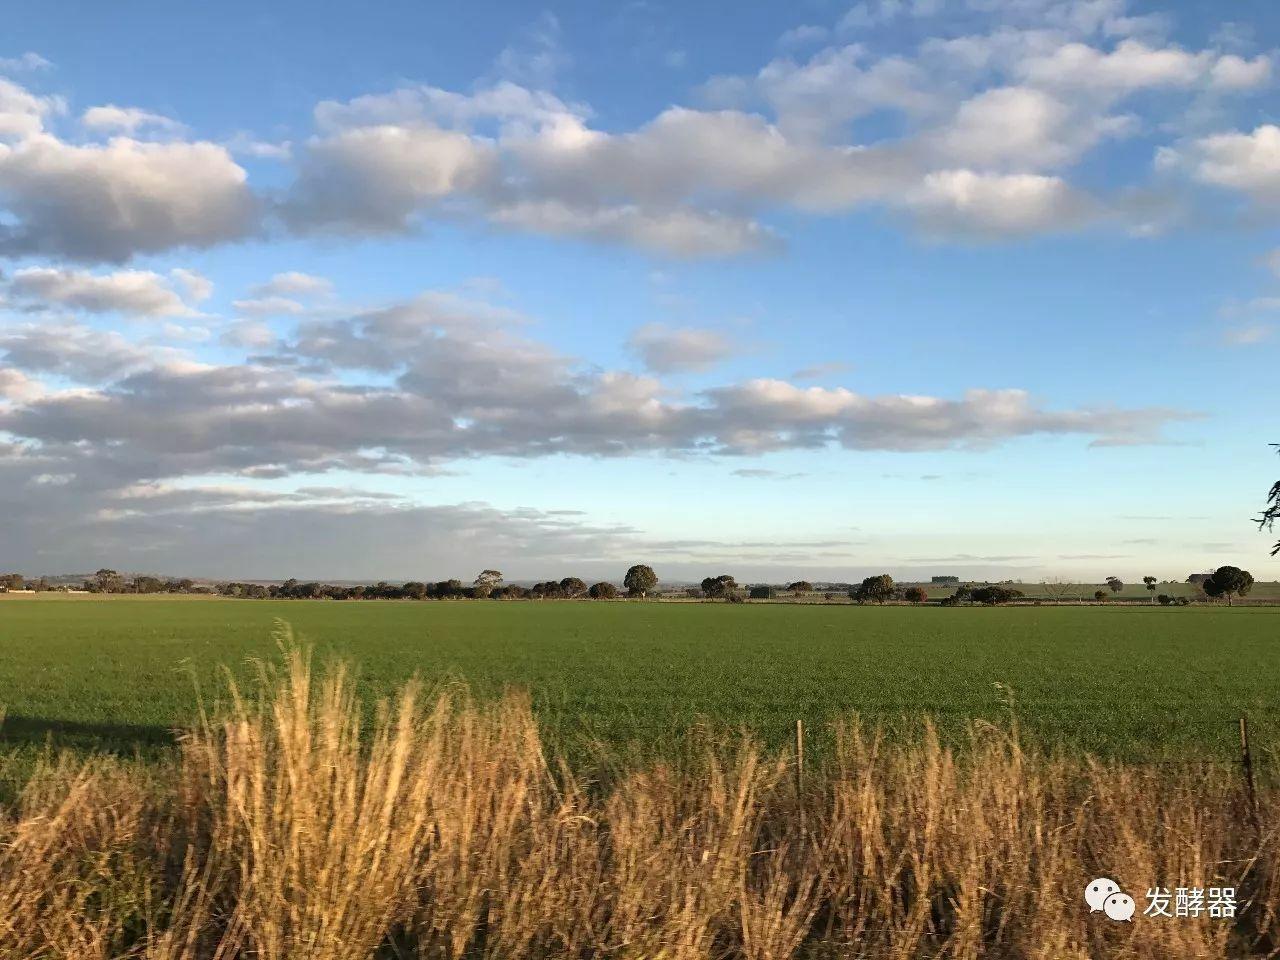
(1119, 906)
(1096, 893)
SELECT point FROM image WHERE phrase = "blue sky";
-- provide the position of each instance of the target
(984, 287)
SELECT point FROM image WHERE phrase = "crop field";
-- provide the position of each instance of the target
(1130, 683)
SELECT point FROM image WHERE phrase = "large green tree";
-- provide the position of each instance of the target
(873, 590)
(640, 579)
(572, 587)
(1229, 582)
(721, 586)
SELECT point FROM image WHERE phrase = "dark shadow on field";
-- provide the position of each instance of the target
(125, 738)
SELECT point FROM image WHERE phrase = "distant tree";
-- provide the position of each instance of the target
(446, 589)
(762, 592)
(12, 581)
(1059, 590)
(572, 587)
(1151, 585)
(1195, 579)
(1099, 594)
(547, 590)
(414, 590)
(873, 590)
(602, 591)
(107, 581)
(800, 586)
(1229, 582)
(717, 588)
(915, 595)
(146, 584)
(1115, 584)
(489, 578)
(640, 579)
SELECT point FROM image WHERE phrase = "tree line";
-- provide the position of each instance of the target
(1224, 583)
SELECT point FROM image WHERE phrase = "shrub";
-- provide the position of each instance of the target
(602, 591)
(800, 586)
(1099, 595)
(993, 595)
(915, 595)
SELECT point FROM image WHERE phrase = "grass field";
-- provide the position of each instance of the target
(1130, 682)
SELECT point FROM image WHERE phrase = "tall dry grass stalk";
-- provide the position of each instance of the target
(287, 831)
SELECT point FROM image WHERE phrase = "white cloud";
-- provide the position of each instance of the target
(293, 283)
(108, 202)
(964, 202)
(376, 179)
(664, 349)
(1236, 73)
(840, 84)
(77, 352)
(1247, 162)
(1022, 127)
(130, 120)
(198, 287)
(268, 307)
(678, 232)
(249, 333)
(1248, 334)
(1132, 65)
(22, 113)
(29, 61)
(802, 35)
(246, 145)
(134, 292)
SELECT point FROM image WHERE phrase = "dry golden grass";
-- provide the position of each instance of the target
(285, 831)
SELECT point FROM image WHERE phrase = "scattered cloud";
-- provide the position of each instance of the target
(268, 307)
(295, 284)
(129, 120)
(140, 293)
(664, 349)
(27, 62)
(820, 371)
(110, 201)
(1248, 334)
(1245, 162)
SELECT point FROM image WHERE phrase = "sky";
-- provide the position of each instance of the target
(806, 290)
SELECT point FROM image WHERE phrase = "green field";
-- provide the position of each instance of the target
(1132, 681)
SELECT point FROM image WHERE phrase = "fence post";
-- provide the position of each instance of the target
(1246, 760)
